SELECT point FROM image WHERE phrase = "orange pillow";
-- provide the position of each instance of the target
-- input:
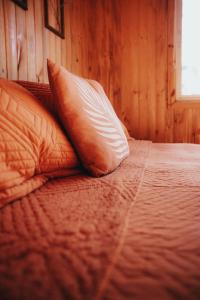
(32, 145)
(43, 92)
(89, 120)
(100, 90)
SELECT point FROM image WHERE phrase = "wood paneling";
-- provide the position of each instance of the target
(3, 61)
(25, 43)
(127, 45)
(144, 68)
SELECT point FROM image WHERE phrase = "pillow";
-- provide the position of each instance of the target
(126, 131)
(89, 120)
(43, 92)
(32, 145)
(100, 90)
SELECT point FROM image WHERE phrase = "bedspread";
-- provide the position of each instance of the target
(133, 234)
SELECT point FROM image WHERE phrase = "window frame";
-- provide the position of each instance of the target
(178, 37)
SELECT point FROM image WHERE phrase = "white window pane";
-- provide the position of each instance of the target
(190, 75)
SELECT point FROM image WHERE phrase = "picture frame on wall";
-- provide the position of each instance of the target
(22, 3)
(54, 16)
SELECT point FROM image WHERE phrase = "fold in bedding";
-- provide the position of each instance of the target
(133, 234)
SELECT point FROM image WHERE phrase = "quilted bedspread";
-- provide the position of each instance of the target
(133, 234)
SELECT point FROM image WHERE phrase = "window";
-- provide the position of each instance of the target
(188, 49)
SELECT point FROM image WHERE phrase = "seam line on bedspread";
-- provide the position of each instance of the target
(107, 276)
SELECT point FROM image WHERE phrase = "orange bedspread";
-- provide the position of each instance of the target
(133, 234)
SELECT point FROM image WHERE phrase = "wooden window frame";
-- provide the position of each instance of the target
(177, 43)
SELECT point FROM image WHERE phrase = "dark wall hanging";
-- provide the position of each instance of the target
(22, 3)
(54, 16)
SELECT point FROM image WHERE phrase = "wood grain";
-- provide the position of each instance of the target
(129, 46)
(22, 55)
(39, 57)
(10, 39)
(3, 62)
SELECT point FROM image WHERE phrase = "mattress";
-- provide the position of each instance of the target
(133, 234)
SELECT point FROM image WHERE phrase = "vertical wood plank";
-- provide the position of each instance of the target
(45, 35)
(130, 67)
(31, 55)
(22, 64)
(58, 50)
(39, 56)
(76, 28)
(161, 70)
(115, 51)
(66, 43)
(11, 41)
(151, 70)
(52, 46)
(143, 65)
(171, 92)
(3, 62)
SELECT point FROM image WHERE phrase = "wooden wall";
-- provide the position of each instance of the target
(125, 44)
(25, 43)
(144, 67)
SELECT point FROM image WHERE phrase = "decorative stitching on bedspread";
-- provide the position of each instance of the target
(108, 273)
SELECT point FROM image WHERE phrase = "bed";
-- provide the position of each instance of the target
(132, 234)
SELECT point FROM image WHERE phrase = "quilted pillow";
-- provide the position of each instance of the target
(90, 121)
(42, 92)
(32, 145)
